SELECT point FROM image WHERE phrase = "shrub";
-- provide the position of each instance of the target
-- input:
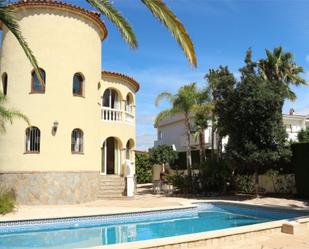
(245, 183)
(213, 177)
(143, 168)
(7, 201)
(180, 162)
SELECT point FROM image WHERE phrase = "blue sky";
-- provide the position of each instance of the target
(221, 30)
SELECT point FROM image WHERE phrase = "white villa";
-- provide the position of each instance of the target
(171, 131)
(82, 135)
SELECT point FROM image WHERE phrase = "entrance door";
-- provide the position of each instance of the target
(110, 156)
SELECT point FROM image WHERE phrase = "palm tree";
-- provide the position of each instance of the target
(201, 117)
(160, 11)
(157, 8)
(183, 102)
(280, 67)
(7, 115)
(8, 19)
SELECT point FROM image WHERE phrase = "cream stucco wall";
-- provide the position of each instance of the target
(64, 43)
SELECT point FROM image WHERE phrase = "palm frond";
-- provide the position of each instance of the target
(107, 9)
(8, 19)
(166, 16)
(164, 95)
(164, 114)
(7, 115)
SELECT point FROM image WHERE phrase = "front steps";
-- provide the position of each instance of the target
(111, 186)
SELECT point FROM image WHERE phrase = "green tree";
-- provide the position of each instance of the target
(254, 123)
(7, 115)
(201, 117)
(143, 167)
(183, 102)
(162, 155)
(303, 135)
(280, 68)
(221, 83)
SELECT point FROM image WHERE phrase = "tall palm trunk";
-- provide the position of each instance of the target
(188, 133)
(202, 146)
(212, 137)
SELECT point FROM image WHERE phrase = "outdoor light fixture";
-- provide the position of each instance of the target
(55, 127)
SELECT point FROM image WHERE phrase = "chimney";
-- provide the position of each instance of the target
(291, 111)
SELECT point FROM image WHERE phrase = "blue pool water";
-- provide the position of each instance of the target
(105, 230)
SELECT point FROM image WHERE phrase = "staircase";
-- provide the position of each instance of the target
(111, 186)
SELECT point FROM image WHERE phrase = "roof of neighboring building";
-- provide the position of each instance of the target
(129, 79)
(92, 15)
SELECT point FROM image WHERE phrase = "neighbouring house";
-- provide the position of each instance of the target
(171, 131)
(82, 133)
(294, 122)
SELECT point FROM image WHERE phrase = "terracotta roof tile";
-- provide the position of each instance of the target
(132, 81)
(92, 15)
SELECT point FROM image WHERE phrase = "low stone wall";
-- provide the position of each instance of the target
(52, 187)
(268, 183)
(278, 184)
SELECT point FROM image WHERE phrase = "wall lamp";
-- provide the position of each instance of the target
(55, 127)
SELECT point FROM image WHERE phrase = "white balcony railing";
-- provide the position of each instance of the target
(129, 117)
(116, 115)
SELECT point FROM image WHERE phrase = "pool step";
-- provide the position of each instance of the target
(111, 186)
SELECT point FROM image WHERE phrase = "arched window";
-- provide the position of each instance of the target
(110, 99)
(129, 103)
(4, 83)
(77, 138)
(78, 88)
(36, 86)
(33, 136)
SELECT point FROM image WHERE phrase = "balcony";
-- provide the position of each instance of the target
(116, 115)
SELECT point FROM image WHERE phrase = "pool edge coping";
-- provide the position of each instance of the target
(170, 242)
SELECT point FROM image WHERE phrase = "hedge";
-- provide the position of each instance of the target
(300, 162)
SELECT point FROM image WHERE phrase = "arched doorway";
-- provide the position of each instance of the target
(111, 157)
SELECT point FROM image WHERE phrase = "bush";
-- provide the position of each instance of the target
(180, 162)
(143, 168)
(245, 183)
(7, 201)
(213, 177)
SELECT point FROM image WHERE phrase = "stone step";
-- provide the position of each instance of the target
(112, 180)
(111, 184)
(109, 197)
(118, 190)
(109, 194)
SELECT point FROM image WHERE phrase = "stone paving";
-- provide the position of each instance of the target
(273, 241)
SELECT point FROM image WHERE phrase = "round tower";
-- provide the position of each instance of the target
(66, 41)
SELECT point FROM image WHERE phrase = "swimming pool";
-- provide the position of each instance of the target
(93, 231)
